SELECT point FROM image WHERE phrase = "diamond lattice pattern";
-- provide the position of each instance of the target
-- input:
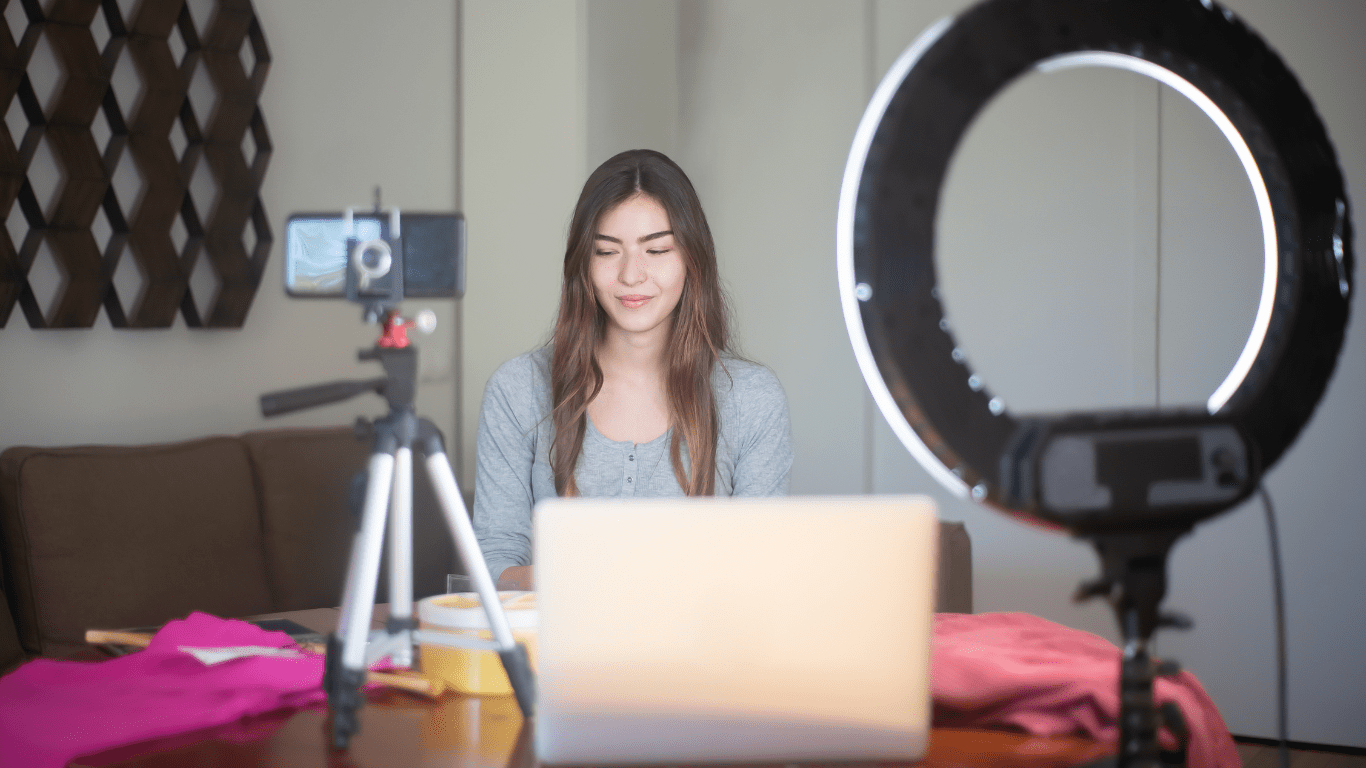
(131, 160)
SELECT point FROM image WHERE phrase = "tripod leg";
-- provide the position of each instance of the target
(401, 559)
(346, 674)
(512, 653)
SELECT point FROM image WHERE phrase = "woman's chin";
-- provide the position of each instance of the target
(638, 327)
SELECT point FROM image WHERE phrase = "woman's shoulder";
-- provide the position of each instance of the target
(745, 379)
(528, 372)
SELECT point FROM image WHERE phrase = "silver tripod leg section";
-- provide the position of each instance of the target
(467, 544)
(514, 656)
(359, 600)
(401, 557)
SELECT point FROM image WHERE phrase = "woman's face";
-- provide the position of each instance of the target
(637, 269)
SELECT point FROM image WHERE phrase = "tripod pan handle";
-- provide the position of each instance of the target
(288, 400)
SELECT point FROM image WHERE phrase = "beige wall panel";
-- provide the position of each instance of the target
(524, 159)
(632, 77)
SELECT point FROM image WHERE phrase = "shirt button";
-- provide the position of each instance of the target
(632, 457)
(628, 479)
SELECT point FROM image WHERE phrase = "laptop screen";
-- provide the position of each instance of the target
(694, 630)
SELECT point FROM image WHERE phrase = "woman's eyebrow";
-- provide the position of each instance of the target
(647, 238)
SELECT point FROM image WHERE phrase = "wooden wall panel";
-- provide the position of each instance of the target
(90, 135)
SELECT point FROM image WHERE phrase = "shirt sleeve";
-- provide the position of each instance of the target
(505, 452)
(764, 454)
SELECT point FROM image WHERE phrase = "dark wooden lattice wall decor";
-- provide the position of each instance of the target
(139, 138)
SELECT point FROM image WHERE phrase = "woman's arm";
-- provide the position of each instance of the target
(762, 433)
(518, 577)
(505, 453)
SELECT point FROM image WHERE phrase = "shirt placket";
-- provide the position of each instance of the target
(629, 479)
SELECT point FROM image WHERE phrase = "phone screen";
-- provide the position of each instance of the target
(433, 253)
(315, 253)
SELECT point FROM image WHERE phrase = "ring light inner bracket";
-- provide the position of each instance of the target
(1094, 473)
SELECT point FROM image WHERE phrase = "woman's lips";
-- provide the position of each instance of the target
(634, 301)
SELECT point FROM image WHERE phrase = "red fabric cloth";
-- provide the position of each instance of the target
(54, 711)
(1021, 671)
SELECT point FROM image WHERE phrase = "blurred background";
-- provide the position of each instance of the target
(1098, 247)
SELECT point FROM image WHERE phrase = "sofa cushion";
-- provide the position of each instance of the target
(306, 481)
(129, 536)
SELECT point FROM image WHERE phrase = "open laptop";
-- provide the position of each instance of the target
(738, 630)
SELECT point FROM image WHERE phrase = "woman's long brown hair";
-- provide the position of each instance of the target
(699, 331)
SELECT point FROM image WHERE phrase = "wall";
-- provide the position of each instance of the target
(524, 149)
(1097, 251)
(633, 77)
(354, 98)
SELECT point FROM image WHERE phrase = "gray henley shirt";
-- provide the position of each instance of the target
(753, 451)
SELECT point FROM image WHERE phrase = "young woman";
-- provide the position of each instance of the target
(636, 393)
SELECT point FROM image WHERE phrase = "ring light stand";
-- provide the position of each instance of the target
(1131, 482)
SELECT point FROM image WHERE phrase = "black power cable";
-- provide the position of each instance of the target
(1278, 589)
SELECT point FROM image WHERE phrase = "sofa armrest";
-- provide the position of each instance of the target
(11, 652)
(953, 590)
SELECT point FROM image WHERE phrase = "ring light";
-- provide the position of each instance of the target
(1132, 482)
(1093, 473)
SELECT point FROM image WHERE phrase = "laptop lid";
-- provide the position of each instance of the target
(721, 629)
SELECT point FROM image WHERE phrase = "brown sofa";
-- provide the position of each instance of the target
(128, 536)
(118, 536)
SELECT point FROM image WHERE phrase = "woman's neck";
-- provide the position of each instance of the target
(633, 403)
(633, 353)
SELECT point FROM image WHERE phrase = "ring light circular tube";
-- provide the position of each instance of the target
(851, 293)
(918, 375)
(1254, 176)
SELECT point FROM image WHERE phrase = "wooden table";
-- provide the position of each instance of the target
(399, 730)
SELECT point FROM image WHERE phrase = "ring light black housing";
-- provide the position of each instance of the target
(1093, 472)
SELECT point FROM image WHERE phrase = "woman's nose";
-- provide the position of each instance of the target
(633, 269)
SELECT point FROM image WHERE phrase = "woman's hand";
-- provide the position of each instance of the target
(520, 577)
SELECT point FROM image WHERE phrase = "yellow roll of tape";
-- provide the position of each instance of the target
(466, 670)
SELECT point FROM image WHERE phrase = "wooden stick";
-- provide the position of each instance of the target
(408, 681)
(111, 637)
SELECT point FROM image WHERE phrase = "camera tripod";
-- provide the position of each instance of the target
(388, 497)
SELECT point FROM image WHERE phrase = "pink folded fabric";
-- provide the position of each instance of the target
(54, 711)
(1021, 671)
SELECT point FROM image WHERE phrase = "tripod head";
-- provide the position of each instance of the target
(374, 278)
